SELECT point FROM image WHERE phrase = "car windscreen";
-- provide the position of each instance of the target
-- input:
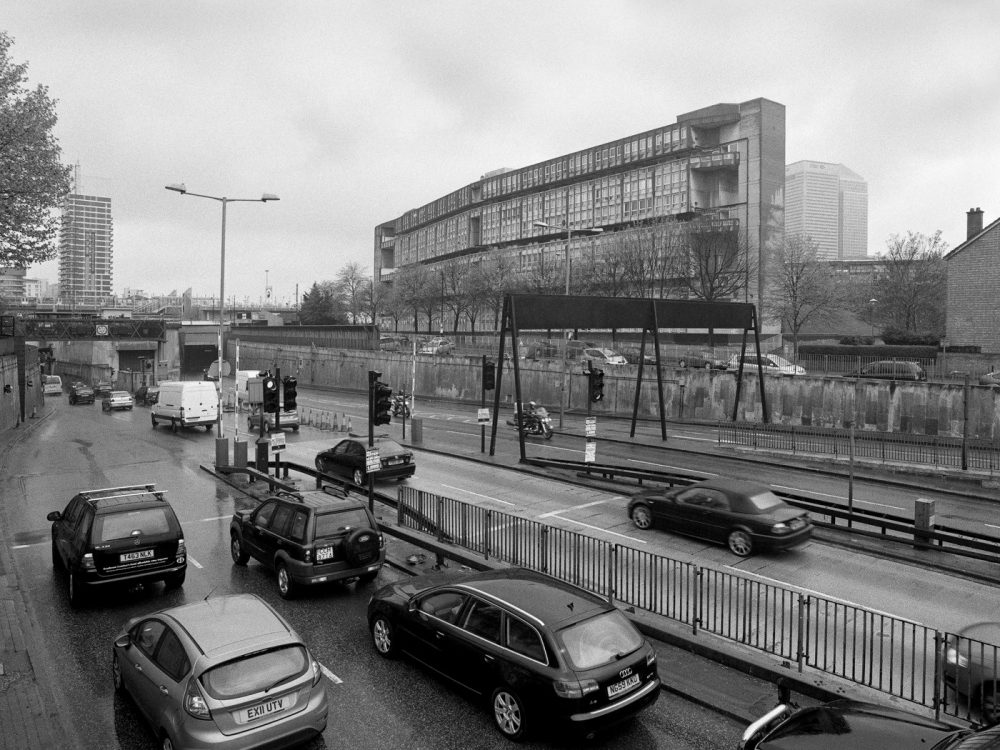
(139, 522)
(763, 501)
(255, 672)
(52, 379)
(389, 448)
(333, 524)
(599, 640)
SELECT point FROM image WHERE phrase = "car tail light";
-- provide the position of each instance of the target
(181, 550)
(87, 562)
(194, 701)
(574, 688)
(381, 542)
(650, 658)
(317, 673)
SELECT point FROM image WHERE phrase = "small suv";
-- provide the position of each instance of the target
(309, 538)
(226, 672)
(118, 535)
(81, 393)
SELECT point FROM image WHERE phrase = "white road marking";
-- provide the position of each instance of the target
(330, 675)
(836, 497)
(992, 526)
(603, 531)
(485, 497)
(213, 518)
(577, 507)
(668, 466)
(820, 594)
(195, 563)
(25, 546)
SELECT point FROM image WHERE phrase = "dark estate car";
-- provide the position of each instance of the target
(147, 395)
(118, 535)
(225, 672)
(859, 726)
(81, 393)
(744, 515)
(309, 538)
(704, 360)
(889, 370)
(541, 651)
(347, 459)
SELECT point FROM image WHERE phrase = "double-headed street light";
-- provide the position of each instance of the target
(182, 189)
(569, 237)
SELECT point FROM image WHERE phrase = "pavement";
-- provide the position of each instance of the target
(734, 680)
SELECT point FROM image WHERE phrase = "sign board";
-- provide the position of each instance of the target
(372, 460)
(483, 417)
(277, 441)
(590, 452)
(101, 330)
(590, 427)
(255, 390)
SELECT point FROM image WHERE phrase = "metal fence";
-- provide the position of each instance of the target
(883, 447)
(896, 656)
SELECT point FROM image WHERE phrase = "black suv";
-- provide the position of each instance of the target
(81, 393)
(118, 535)
(309, 538)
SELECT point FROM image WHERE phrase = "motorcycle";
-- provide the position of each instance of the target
(400, 405)
(536, 422)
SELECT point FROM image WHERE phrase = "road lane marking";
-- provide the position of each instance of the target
(836, 497)
(330, 675)
(485, 497)
(667, 466)
(213, 518)
(195, 563)
(603, 531)
(577, 507)
(992, 526)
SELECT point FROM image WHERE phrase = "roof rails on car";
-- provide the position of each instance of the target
(123, 491)
(289, 493)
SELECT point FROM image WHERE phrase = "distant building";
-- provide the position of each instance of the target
(829, 203)
(85, 250)
(973, 318)
(724, 163)
(12, 284)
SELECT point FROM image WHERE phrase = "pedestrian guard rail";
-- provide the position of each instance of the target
(902, 658)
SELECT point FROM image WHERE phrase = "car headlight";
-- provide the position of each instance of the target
(780, 528)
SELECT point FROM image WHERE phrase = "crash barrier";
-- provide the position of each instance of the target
(938, 451)
(901, 658)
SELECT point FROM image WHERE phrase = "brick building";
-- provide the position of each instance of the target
(973, 317)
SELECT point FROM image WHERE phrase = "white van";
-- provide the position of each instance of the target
(52, 386)
(186, 403)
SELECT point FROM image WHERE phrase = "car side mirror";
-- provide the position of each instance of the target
(123, 641)
(54, 516)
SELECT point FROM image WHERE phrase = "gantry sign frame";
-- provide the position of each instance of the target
(573, 312)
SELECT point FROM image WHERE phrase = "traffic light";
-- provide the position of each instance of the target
(290, 384)
(489, 375)
(382, 395)
(597, 385)
(270, 394)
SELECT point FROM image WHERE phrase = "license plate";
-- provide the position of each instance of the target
(394, 461)
(143, 554)
(623, 687)
(267, 708)
(324, 553)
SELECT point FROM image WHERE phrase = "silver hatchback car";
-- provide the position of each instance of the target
(227, 672)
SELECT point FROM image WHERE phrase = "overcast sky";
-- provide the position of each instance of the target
(354, 112)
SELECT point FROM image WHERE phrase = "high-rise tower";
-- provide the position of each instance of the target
(85, 254)
(829, 203)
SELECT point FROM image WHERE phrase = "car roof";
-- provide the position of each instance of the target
(553, 602)
(237, 622)
(732, 486)
(113, 498)
(320, 500)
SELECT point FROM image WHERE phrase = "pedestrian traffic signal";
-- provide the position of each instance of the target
(270, 394)
(382, 409)
(489, 375)
(290, 384)
(597, 385)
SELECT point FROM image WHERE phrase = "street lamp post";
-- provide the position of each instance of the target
(182, 189)
(871, 314)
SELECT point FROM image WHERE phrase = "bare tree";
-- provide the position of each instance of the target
(715, 263)
(352, 281)
(909, 288)
(499, 272)
(801, 287)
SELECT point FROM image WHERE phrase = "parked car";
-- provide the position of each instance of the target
(744, 515)
(81, 393)
(890, 370)
(118, 400)
(859, 726)
(535, 350)
(52, 385)
(347, 459)
(704, 360)
(771, 364)
(990, 378)
(631, 355)
(575, 348)
(118, 535)
(540, 650)
(289, 420)
(394, 343)
(147, 395)
(601, 357)
(102, 389)
(309, 538)
(439, 347)
(225, 672)
(972, 668)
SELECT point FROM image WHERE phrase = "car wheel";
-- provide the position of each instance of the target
(508, 713)
(708, 365)
(359, 477)
(286, 587)
(986, 702)
(75, 591)
(166, 743)
(642, 517)
(116, 674)
(174, 580)
(683, 363)
(368, 577)
(740, 542)
(153, 419)
(240, 555)
(384, 636)
(57, 563)
(173, 426)
(295, 428)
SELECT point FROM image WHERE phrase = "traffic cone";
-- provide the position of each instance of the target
(335, 426)
(349, 428)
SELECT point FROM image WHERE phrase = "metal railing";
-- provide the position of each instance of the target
(890, 654)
